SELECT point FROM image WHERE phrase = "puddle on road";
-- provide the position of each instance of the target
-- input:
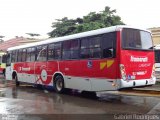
(2, 93)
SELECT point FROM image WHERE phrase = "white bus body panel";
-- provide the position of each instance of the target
(136, 83)
(8, 74)
(89, 84)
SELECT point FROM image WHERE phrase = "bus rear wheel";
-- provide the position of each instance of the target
(16, 80)
(59, 84)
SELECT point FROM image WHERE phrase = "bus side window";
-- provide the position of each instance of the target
(108, 45)
(42, 56)
(66, 49)
(84, 51)
(58, 52)
(90, 47)
(19, 55)
(39, 48)
(75, 44)
(28, 59)
(33, 51)
(24, 55)
(13, 56)
(70, 49)
(107, 53)
(51, 51)
(94, 47)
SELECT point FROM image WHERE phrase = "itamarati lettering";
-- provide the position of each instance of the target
(138, 59)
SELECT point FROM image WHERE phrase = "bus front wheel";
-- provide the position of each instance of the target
(59, 84)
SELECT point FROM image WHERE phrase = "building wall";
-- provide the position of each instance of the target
(155, 35)
(16, 42)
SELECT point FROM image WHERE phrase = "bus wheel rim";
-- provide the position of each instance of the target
(59, 85)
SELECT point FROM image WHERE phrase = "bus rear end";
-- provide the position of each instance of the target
(136, 58)
(157, 61)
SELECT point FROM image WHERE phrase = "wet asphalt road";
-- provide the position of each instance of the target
(29, 103)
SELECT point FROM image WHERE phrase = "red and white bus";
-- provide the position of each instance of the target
(157, 61)
(2, 62)
(105, 59)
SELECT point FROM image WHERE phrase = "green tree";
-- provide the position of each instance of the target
(63, 27)
(33, 34)
(91, 21)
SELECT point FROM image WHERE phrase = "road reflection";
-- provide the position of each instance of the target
(27, 99)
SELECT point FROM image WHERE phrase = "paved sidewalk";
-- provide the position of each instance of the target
(155, 87)
(155, 110)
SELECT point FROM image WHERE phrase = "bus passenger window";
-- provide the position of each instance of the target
(108, 45)
(90, 47)
(33, 50)
(107, 53)
(70, 49)
(28, 58)
(13, 56)
(51, 51)
(57, 54)
(19, 56)
(42, 54)
(57, 49)
(24, 54)
(54, 51)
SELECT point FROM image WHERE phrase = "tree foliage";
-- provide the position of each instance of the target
(91, 21)
(33, 34)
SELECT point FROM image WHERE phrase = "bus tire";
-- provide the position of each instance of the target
(59, 84)
(16, 80)
(4, 72)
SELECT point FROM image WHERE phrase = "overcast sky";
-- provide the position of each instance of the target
(18, 17)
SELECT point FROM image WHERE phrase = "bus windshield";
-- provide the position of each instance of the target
(157, 56)
(136, 39)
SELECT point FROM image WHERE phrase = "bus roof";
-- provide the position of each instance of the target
(74, 36)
